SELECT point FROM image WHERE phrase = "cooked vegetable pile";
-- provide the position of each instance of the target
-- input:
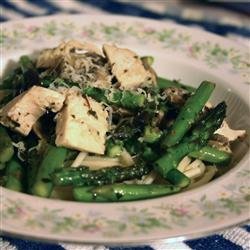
(99, 126)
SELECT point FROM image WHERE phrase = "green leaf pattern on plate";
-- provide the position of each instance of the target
(131, 219)
(170, 39)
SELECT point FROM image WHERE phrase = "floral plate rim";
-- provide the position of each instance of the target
(166, 216)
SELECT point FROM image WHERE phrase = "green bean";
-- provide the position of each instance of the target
(53, 160)
(188, 114)
(122, 192)
(86, 194)
(6, 147)
(211, 155)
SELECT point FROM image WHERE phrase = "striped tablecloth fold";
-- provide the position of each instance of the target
(233, 239)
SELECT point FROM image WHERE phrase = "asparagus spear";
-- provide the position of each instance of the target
(177, 178)
(6, 147)
(164, 83)
(196, 140)
(151, 134)
(14, 176)
(122, 192)
(120, 98)
(53, 159)
(206, 127)
(211, 155)
(82, 176)
(188, 114)
(173, 156)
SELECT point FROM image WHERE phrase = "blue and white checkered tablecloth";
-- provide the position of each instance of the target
(225, 18)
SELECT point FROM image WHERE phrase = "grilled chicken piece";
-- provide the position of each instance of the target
(24, 110)
(81, 63)
(82, 124)
(51, 57)
(127, 67)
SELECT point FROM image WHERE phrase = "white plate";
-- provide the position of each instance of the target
(182, 53)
